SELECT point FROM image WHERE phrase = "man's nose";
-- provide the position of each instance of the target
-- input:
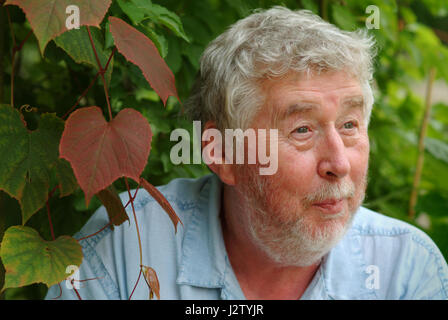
(333, 159)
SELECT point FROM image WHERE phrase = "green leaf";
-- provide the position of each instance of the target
(159, 40)
(27, 157)
(243, 7)
(30, 259)
(76, 43)
(139, 10)
(66, 177)
(343, 17)
(174, 58)
(437, 148)
(311, 5)
(108, 39)
(162, 15)
(433, 203)
(132, 10)
(193, 53)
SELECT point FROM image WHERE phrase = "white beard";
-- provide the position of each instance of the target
(286, 235)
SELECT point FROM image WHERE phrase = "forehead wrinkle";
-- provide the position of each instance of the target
(301, 107)
(353, 102)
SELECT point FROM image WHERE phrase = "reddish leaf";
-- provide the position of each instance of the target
(112, 202)
(48, 17)
(152, 281)
(140, 50)
(156, 194)
(101, 152)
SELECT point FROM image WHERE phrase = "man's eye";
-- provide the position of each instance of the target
(349, 125)
(302, 130)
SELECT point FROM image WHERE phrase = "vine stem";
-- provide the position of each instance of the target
(76, 291)
(138, 235)
(324, 9)
(90, 85)
(15, 49)
(81, 96)
(132, 198)
(2, 45)
(421, 143)
(135, 286)
(50, 194)
(13, 56)
(91, 235)
(101, 72)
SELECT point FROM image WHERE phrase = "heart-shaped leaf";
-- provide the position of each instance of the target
(77, 44)
(158, 196)
(30, 259)
(48, 17)
(26, 158)
(140, 50)
(101, 152)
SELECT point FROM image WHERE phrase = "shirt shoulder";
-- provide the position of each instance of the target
(408, 262)
(112, 256)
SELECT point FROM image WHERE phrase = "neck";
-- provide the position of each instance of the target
(259, 276)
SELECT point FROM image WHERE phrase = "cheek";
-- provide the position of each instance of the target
(295, 169)
(359, 159)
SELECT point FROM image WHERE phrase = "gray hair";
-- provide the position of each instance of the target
(270, 44)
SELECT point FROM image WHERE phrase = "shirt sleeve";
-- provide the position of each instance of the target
(430, 271)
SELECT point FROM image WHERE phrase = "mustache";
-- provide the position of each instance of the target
(328, 190)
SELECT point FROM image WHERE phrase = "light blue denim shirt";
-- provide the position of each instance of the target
(379, 257)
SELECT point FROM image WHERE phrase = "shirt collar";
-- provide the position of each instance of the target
(204, 257)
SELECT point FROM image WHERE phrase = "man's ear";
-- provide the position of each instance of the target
(213, 153)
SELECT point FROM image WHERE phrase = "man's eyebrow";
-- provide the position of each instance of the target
(353, 102)
(302, 107)
(297, 108)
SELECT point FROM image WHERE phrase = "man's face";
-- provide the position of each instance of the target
(304, 209)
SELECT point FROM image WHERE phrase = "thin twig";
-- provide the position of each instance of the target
(101, 73)
(81, 96)
(91, 235)
(135, 286)
(13, 56)
(20, 46)
(49, 220)
(136, 223)
(138, 234)
(50, 194)
(421, 144)
(90, 85)
(76, 291)
(2, 43)
(133, 198)
(15, 49)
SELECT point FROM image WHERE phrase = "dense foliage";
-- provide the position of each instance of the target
(412, 48)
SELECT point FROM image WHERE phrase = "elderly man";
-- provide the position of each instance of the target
(299, 233)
